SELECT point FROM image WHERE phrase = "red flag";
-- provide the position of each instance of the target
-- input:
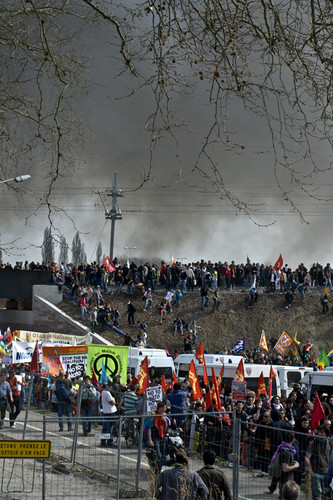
(174, 377)
(35, 360)
(143, 376)
(170, 385)
(279, 263)
(317, 413)
(272, 375)
(219, 380)
(8, 336)
(200, 356)
(107, 262)
(163, 384)
(261, 387)
(94, 379)
(215, 392)
(194, 381)
(207, 401)
(240, 371)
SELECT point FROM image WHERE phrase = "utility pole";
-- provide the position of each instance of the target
(113, 214)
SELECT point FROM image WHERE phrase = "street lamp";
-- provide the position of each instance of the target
(19, 178)
(128, 252)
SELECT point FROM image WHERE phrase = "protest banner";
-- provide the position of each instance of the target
(22, 352)
(113, 357)
(74, 357)
(61, 338)
(238, 390)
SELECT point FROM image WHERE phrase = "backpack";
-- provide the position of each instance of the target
(62, 391)
(275, 468)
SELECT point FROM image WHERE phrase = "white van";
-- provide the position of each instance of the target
(159, 363)
(289, 376)
(318, 381)
(252, 371)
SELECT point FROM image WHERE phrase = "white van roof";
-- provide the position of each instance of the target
(143, 352)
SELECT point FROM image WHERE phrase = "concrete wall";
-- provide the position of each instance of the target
(48, 292)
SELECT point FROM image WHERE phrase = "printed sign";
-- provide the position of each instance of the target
(25, 449)
(154, 395)
(238, 389)
(22, 352)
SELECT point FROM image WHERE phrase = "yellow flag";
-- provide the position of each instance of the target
(263, 343)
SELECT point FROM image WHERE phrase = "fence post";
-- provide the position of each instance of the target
(119, 453)
(235, 451)
(44, 468)
(77, 423)
(138, 465)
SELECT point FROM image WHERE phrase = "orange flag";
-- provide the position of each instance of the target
(318, 413)
(261, 387)
(215, 392)
(174, 378)
(284, 341)
(143, 376)
(263, 343)
(34, 363)
(163, 384)
(279, 263)
(200, 356)
(240, 371)
(194, 381)
(219, 380)
(272, 375)
(207, 401)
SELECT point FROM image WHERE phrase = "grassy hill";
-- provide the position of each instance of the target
(234, 320)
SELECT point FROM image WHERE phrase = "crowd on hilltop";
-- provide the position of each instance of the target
(185, 276)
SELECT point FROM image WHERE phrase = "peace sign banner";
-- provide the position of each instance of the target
(114, 358)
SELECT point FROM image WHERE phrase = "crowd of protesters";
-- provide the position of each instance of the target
(184, 276)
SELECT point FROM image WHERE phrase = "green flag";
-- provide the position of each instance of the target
(323, 359)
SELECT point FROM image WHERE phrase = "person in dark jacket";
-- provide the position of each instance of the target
(214, 478)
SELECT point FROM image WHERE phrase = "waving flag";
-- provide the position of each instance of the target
(272, 375)
(194, 381)
(283, 342)
(318, 413)
(163, 384)
(172, 260)
(207, 401)
(215, 392)
(34, 363)
(219, 380)
(107, 262)
(143, 376)
(323, 360)
(103, 378)
(261, 387)
(200, 356)
(240, 346)
(279, 263)
(263, 343)
(240, 371)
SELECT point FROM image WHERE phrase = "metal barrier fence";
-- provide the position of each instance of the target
(83, 465)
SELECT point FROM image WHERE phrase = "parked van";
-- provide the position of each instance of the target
(319, 381)
(252, 371)
(289, 376)
(159, 363)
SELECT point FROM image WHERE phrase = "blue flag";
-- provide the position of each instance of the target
(103, 379)
(240, 346)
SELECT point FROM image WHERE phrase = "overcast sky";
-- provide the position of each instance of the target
(167, 216)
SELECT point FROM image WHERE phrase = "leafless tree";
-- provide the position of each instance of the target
(48, 246)
(99, 253)
(271, 57)
(63, 254)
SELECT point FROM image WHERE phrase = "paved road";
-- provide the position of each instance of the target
(104, 460)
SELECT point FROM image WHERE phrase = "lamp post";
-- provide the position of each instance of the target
(128, 252)
(19, 178)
